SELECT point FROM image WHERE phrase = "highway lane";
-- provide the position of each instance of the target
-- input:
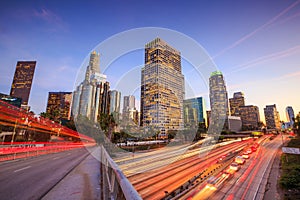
(149, 161)
(173, 179)
(250, 181)
(151, 185)
(254, 185)
(33, 177)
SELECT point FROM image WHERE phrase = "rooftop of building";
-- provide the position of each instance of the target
(216, 73)
(154, 44)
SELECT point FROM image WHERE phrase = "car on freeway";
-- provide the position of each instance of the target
(249, 151)
(221, 158)
(234, 166)
(239, 160)
(218, 181)
(255, 145)
(246, 156)
(253, 148)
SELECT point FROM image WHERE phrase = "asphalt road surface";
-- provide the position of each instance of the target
(32, 178)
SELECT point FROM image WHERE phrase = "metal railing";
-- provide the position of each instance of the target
(114, 184)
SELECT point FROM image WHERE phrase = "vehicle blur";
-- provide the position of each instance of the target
(240, 160)
(234, 166)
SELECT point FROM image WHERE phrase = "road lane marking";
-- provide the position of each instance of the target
(56, 158)
(22, 169)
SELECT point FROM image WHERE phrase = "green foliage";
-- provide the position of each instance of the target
(45, 115)
(120, 137)
(89, 128)
(172, 134)
(295, 142)
(290, 177)
(70, 124)
(106, 121)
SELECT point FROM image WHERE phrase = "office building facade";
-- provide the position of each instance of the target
(59, 105)
(272, 117)
(115, 102)
(290, 115)
(194, 111)
(234, 123)
(128, 103)
(22, 82)
(162, 88)
(91, 96)
(218, 102)
(130, 113)
(237, 101)
(250, 117)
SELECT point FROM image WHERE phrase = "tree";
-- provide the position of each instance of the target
(201, 130)
(71, 125)
(107, 124)
(45, 115)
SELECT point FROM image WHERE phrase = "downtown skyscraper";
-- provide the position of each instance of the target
(162, 88)
(194, 111)
(272, 117)
(218, 102)
(115, 101)
(22, 81)
(290, 115)
(130, 113)
(249, 114)
(128, 103)
(237, 101)
(91, 97)
(59, 105)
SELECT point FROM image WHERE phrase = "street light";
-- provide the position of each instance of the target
(12, 138)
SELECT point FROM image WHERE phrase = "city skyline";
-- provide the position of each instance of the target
(257, 55)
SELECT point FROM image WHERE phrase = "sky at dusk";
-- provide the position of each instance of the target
(256, 44)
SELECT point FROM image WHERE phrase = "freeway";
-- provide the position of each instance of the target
(252, 182)
(34, 177)
(165, 171)
(247, 183)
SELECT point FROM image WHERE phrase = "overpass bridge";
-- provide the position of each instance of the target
(24, 125)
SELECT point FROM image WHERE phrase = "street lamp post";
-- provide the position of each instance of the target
(13, 136)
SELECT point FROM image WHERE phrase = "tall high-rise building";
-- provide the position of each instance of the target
(250, 117)
(290, 115)
(91, 97)
(272, 117)
(162, 88)
(235, 102)
(128, 103)
(22, 81)
(218, 102)
(194, 111)
(249, 114)
(115, 101)
(130, 113)
(59, 105)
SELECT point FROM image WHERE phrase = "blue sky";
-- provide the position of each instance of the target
(256, 44)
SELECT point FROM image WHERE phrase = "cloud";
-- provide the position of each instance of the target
(51, 18)
(290, 75)
(260, 28)
(266, 58)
